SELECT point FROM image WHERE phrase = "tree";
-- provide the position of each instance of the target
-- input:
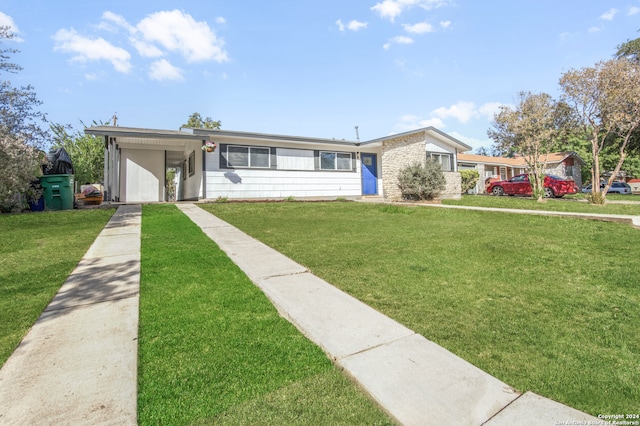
(86, 151)
(469, 179)
(195, 121)
(629, 50)
(605, 100)
(531, 130)
(21, 134)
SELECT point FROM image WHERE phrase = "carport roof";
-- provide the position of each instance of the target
(133, 134)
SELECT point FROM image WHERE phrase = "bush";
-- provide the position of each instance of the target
(421, 182)
(469, 179)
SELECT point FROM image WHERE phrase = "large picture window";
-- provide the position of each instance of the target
(248, 156)
(335, 160)
(443, 159)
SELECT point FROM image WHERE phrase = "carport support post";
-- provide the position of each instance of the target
(204, 174)
(105, 183)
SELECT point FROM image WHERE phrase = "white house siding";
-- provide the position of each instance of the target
(192, 185)
(277, 183)
(142, 174)
(245, 183)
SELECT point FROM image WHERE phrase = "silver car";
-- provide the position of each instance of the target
(616, 188)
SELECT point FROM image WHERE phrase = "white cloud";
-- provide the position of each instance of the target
(489, 109)
(220, 20)
(353, 25)
(391, 9)
(162, 70)
(595, 29)
(413, 122)
(116, 19)
(633, 10)
(356, 25)
(462, 111)
(474, 143)
(145, 49)
(179, 32)
(445, 24)
(86, 49)
(7, 21)
(419, 28)
(397, 40)
(609, 15)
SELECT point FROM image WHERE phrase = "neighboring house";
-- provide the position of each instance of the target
(564, 164)
(635, 185)
(249, 165)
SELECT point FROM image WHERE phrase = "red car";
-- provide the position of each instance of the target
(554, 186)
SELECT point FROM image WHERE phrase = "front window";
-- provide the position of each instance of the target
(443, 159)
(248, 156)
(335, 160)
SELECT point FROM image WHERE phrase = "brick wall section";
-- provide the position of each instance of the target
(453, 187)
(403, 151)
(560, 170)
(398, 153)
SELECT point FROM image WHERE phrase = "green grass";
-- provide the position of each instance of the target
(576, 205)
(212, 348)
(38, 252)
(545, 304)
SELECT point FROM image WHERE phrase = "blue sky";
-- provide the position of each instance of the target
(307, 68)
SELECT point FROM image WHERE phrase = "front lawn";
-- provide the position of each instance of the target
(545, 304)
(38, 252)
(212, 348)
(567, 204)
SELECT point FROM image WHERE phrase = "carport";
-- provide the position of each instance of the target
(136, 163)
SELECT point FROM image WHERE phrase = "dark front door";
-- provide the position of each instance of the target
(369, 174)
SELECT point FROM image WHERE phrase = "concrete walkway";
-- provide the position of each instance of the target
(78, 363)
(416, 381)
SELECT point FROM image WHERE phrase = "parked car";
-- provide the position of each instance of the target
(615, 188)
(554, 186)
(620, 188)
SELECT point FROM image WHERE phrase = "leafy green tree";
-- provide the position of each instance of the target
(605, 100)
(530, 129)
(421, 181)
(196, 121)
(629, 50)
(86, 151)
(170, 184)
(577, 142)
(21, 133)
(469, 179)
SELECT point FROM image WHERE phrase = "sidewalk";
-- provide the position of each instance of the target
(78, 363)
(416, 381)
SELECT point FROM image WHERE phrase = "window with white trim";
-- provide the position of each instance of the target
(443, 159)
(335, 160)
(248, 156)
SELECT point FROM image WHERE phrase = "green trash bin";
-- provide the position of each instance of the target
(57, 191)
